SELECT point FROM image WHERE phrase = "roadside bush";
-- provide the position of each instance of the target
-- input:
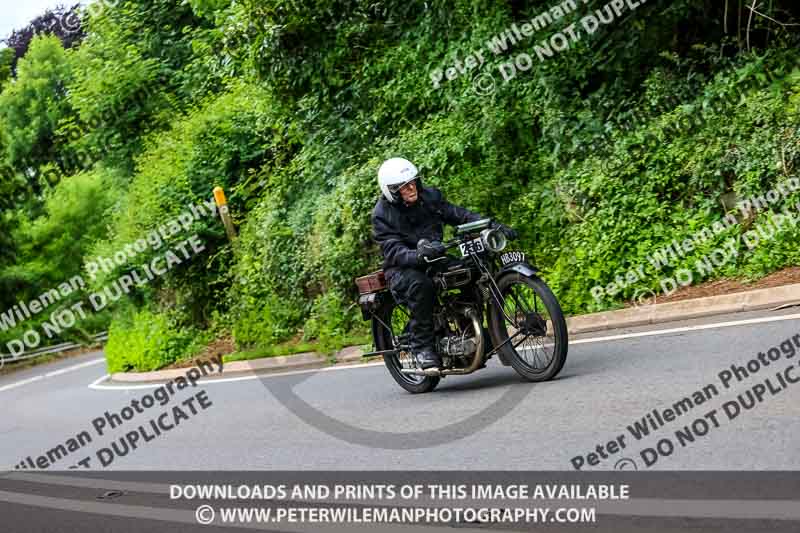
(264, 321)
(51, 249)
(142, 341)
(656, 186)
(223, 141)
(331, 318)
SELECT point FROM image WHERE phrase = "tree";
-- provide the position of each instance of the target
(6, 58)
(32, 106)
(64, 23)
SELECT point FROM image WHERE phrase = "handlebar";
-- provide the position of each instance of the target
(448, 245)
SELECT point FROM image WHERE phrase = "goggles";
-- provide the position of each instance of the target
(394, 189)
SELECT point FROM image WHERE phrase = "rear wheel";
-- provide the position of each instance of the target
(391, 322)
(531, 325)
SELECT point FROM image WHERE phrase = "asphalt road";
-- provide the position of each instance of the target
(358, 418)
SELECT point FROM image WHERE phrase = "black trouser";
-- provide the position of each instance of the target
(414, 289)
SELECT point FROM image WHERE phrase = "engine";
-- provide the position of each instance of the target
(456, 328)
(457, 346)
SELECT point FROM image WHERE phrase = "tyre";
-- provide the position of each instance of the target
(533, 320)
(394, 316)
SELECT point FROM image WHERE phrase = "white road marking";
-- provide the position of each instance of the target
(689, 328)
(52, 374)
(210, 381)
(96, 385)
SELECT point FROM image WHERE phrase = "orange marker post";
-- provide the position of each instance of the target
(224, 212)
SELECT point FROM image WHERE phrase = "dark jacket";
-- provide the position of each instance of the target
(397, 227)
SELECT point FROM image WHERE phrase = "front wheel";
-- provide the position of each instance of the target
(530, 326)
(390, 321)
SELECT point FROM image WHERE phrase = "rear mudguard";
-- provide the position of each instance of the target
(370, 303)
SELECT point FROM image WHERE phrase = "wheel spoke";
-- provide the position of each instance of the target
(521, 340)
(399, 318)
(522, 302)
(517, 307)
(509, 339)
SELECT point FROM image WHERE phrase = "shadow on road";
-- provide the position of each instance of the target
(505, 377)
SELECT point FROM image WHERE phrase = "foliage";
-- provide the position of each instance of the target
(656, 186)
(6, 58)
(116, 96)
(51, 248)
(599, 155)
(61, 22)
(32, 106)
(264, 322)
(207, 8)
(143, 341)
(330, 321)
(226, 141)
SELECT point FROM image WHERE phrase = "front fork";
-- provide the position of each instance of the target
(494, 301)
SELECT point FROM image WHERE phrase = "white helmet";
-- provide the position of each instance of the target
(393, 174)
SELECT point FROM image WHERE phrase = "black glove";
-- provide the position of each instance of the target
(510, 233)
(429, 250)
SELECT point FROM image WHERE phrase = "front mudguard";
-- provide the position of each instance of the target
(523, 268)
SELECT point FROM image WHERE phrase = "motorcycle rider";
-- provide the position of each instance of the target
(406, 213)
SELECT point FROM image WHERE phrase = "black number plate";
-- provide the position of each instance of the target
(512, 257)
(474, 246)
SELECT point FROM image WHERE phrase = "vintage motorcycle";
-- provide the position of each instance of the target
(488, 302)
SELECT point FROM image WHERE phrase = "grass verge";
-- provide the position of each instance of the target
(296, 347)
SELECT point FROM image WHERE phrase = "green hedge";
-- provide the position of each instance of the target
(142, 341)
